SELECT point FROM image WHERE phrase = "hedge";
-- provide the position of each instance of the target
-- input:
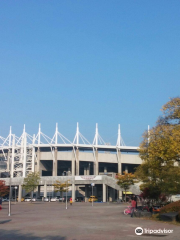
(171, 207)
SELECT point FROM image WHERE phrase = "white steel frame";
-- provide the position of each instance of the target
(22, 150)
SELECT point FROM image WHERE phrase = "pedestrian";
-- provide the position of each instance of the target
(135, 199)
(133, 206)
(71, 201)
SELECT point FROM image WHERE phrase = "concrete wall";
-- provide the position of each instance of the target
(87, 156)
(107, 157)
(131, 158)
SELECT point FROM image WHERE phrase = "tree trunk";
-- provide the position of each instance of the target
(125, 195)
(31, 195)
(62, 196)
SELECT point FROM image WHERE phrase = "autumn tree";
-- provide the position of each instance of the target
(4, 190)
(31, 182)
(61, 187)
(125, 181)
(160, 152)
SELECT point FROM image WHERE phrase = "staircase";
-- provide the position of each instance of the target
(112, 182)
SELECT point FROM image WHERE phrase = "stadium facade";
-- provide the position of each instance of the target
(57, 158)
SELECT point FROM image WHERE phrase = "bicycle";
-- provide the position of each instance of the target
(128, 210)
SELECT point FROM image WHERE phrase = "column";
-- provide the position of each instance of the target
(119, 162)
(104, 192)
(45, 190)
(19, 193)
(77, 162)
(126, 168)
(88, 169)
(112, 195)
(96, 164)
(85, 171)
(73, 192)
(86, 193)
(8, 159)
(38, 191)
(120, 194)
(55, 163)
(73, 163)
(38, 161)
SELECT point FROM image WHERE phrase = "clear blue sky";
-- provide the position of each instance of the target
(89, 61)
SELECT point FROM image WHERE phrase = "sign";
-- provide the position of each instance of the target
(88, 177)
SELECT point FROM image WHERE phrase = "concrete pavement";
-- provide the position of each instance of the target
(81, 221)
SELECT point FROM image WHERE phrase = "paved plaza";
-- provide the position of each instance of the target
(80, 221)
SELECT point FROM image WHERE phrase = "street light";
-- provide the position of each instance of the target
(49, 193)
(15, 193)
(66, 190)
(9, 213)
(92, 185)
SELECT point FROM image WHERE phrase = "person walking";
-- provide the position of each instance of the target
(71, 201)
(135, 199)
(133, 206)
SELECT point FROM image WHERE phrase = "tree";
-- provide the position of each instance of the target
(162, 142)
(160, 152)
(61, 187)
(4, 190)
(31, 182)
(125, 181)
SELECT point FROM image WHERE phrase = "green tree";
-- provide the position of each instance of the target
(31, 182)
(160, 152)
(125, 181)
(61, 187)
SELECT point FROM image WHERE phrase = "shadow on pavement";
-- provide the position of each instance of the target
(15, 234)
(5, 221)
(153, 235)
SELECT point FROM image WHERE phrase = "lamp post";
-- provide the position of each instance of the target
(15, 193)
(49, 193)
(9, 213)
(66, 195)
(66, 189)
(92, 185)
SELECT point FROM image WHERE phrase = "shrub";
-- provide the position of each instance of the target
(171, 207)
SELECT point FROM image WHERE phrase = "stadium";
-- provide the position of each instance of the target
(58, 158)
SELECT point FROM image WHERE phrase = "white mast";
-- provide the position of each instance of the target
(10, 133)
(119, 136)
(33, 153)
(96, 135)
(25, 151)
(56, 134)
(77, 134)
(39, 134)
